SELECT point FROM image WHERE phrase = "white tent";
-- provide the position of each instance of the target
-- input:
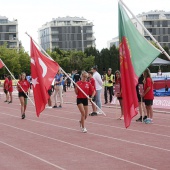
(159, 62)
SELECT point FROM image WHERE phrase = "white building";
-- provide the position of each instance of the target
(157, 23)
(9, 32)
(67, 33)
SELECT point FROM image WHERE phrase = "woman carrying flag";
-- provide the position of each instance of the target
(82, 99)
(23, 87)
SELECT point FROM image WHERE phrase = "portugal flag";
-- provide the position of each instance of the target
(136, 54)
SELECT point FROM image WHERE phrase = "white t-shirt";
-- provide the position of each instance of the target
(98, 80)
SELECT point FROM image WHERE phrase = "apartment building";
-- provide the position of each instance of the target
(9, 33)
(67, 33)
(157, 23)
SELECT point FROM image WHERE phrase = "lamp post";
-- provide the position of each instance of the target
(82, 40)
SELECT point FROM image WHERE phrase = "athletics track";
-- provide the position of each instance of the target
(54, 141)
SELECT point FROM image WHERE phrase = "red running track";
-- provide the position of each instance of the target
(54, 140)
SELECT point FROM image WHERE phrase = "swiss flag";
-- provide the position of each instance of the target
(43, 71)
(1, 64)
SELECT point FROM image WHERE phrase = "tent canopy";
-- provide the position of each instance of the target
(160, 62)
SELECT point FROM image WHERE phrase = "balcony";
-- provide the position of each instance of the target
(12, 46)
(12, 30)
(90, 38)
(89, 31)
(148, 26)
(54, 32)
(55, 40)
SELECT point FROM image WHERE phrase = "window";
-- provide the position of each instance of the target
(2, 36)
(165, 38)
(164, 24)
(12, 28)
(4, 28)
(2, 21)
(152, 16)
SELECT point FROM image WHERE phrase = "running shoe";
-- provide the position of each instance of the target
(139, 120)
(99, 113)
(54, 106)
(59, 106)
(144, 118)
(84, 130)
(148, 121)
(93, 114)
(23, 116)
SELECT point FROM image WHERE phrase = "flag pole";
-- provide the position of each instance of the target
(157, 43)
(16, 80)
(66, 74)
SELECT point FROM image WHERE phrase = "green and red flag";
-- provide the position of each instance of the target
(136, 54)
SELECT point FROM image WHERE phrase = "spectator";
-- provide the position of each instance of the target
(159, 72)
(119, 93)
(76, 76)
(10, 88)
(92, 82)
(141, 101)
(5, 88)
(50, 92)
(58, 89)
(148, 96)
(108, 85)
(98, 84)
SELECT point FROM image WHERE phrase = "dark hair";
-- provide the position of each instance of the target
(90, 72)
(94, 68)
(9, 77)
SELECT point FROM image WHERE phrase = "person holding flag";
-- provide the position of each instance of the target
(135, 54)
(82, 100)
(23, 88)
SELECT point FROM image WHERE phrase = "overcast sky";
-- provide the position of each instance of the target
(32, 14)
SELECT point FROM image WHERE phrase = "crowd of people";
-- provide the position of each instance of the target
(88, 87)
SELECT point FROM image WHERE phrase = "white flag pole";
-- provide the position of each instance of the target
(67, 75)
(157, 43)
(16, 80)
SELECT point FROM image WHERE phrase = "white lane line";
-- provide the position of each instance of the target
(108, 137)
(103, 117)
(157, 134)
(78, 146)
(34, 156)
